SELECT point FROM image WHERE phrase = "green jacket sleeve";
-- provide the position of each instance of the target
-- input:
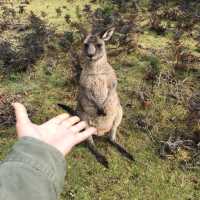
(32, 170)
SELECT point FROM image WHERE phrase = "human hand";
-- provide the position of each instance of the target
(62, 132)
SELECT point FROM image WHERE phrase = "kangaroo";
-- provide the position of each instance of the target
(98, 101)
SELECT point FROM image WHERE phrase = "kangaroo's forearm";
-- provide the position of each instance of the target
(111, 91)
(97, 103)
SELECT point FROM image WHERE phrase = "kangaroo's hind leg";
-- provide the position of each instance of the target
(91, 145)
(116, 124)
(100, 157)
(113, 133)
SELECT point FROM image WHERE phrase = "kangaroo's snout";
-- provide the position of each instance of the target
(91, 50)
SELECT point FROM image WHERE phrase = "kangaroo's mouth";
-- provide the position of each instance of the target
(92, 58)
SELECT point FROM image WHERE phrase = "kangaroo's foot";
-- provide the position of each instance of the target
(99, 157)
(121, 149)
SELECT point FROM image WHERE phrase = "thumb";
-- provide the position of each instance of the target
(21, 113)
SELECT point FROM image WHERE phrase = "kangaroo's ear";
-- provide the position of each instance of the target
(106, 35)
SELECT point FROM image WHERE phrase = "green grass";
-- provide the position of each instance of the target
(150, 177)
(49, 7)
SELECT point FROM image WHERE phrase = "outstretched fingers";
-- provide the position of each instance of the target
(79, 127)
(80, 137)
(21, 113)
(69, 122)
(59, 119)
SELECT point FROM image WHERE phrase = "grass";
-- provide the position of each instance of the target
(149, 178)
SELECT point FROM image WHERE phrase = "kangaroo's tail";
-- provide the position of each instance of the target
(68, 109)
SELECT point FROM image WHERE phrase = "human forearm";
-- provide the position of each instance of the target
(32, 170)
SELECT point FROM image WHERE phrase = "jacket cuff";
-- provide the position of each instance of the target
(40, 157)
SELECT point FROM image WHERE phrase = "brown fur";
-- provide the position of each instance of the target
(98, 90)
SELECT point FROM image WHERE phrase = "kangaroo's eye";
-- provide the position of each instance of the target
(99, 45)
(86, 45)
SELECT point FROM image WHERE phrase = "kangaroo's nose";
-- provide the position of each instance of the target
(91, 51)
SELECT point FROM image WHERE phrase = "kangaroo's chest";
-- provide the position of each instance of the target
(96, 85)
(89, 80)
